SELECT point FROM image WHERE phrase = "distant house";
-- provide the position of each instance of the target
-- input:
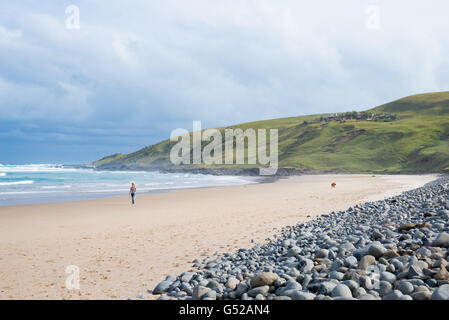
(357, 116)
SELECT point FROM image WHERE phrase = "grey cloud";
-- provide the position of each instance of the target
(154, 66)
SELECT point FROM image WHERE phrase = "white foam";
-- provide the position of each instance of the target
(57, 187)
(38, 168)
(105, 191)
(83, 182)
(16, 182)
(114, 185)
(27, 192)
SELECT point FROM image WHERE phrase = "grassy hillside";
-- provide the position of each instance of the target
(418, 141)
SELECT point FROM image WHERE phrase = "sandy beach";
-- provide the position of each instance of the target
(122, 250)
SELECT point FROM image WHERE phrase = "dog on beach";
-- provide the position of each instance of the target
(333, 185)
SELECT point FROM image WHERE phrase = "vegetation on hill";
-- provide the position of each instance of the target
(415, 141)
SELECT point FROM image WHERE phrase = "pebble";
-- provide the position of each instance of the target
(421, 295)
(341, 290)
(241, 289)
(211, 294)
(366, 261)
(232, 283)
(385, 288)
(351, 284)
(441, 293)
(336, 275)
(187, 276)
(414, 272)
(388, 276)
(263, 279)
(376, 250)
(394, 249)
(306, 265)
(442, 240)
(326, 287)
(199, 292)
(394, 295)
(405, 287)
(407, 227)
(366, 282)
(366, 297)
(282, 298)
(299, 295)
(162, 287)
(350, 261)
(259, 290)
(322, 253)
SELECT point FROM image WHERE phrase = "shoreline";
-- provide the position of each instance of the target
(122, 250)
(84, 196)
(251, 179)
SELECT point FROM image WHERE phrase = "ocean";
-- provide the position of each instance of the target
(35, 183)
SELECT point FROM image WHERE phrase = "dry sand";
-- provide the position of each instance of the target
(123, 250)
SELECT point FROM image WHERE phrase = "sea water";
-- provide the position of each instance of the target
(34, 183)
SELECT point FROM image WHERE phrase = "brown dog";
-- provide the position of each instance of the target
(333, 184)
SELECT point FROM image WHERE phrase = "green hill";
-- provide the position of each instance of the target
(409, 135)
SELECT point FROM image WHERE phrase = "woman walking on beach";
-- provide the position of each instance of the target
(132, 191)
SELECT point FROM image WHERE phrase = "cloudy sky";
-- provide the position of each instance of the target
(135, 70)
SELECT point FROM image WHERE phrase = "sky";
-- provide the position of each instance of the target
(127, 73)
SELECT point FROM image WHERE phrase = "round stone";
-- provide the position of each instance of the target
(263, 290)
(366, 297)
(263, 279)
(282, 298)
(441, 293)
(359, 291)
(322, 253)
(387, 276)
(376, 250)
(211, 294)
(385, 288)
(346, 247)
(394, 295)
(442, 240)
(232, 283)
(213, 284)
(326, 288)
(162, 287)
(306, 265)
(350, 261)
(299, 295)
(336, 275)
(241, 289)
(199, 292)
(366, 261)
(187, 276)
(405, 287)
(341, 290)
(366, 282)
(351, 285)
(421, 295)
